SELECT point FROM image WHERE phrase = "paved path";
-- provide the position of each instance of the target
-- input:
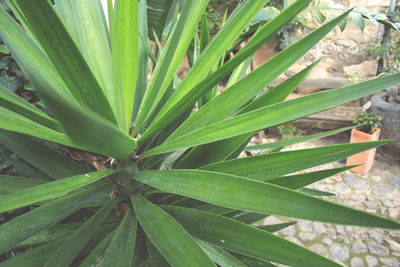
(377, 192)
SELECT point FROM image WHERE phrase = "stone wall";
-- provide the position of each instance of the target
(342, 53)
(342, 56)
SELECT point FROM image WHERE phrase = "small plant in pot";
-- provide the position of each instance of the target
(367, 122)
(367, 130)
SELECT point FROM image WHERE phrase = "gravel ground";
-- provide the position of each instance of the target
(377, 192)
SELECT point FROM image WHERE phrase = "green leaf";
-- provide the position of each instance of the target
(35, 221)
(275, 227)
(19, 105)
(49, 190)
(150, 53)
(248, 217)
(89, 132)
(34, 257)
(219, 256)
(221, 42)
(313, 192)
(358, 20)
(69, 249)
(174, 124)
(140, 258)
(24, 169)
(244, 239)
(204, 41)
(88, 129)
(120, 251)
(126, 29)
(342, 25)
(46, 159)
(266, 13)
(117, 83)
(16, 123)
(154, 256)
(98, 237)
(244, 194)
(16, 10)
(280, 92)
(296, 140)
(300, 180)
(204, 34)
(321, 17)
(65, 56)
(94, 39)
(253, 262)
(159, 14)
(220, 150)
(200, 205)
(171, 56)
(23, 47)
(173, 242)
(9, 184)
(293, 182)
(65, 11)
(143, 59)
(10, 82)
(59, 231)
(268, 166)
(276, 114)
(119, 144)
(179, 106)
(239, 72)
(229, 101)
(4, 49)
(96, 256)
(63, 231)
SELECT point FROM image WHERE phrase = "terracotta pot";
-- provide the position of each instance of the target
(365, 158)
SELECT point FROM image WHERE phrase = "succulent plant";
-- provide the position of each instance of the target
(367, 121)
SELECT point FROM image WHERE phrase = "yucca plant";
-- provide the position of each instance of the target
(122, 171)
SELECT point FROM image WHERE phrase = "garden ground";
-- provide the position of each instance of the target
(377, 192)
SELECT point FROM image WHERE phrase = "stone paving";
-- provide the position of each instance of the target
(377, 192)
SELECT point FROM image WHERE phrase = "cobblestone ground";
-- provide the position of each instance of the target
(377, 192)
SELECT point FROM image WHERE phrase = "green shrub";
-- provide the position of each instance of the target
(166, 187)
(287, 131)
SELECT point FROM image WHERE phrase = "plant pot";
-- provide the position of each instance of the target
(390, 125)
(366, 158)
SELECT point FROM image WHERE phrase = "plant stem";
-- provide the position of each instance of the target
(385, 38)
